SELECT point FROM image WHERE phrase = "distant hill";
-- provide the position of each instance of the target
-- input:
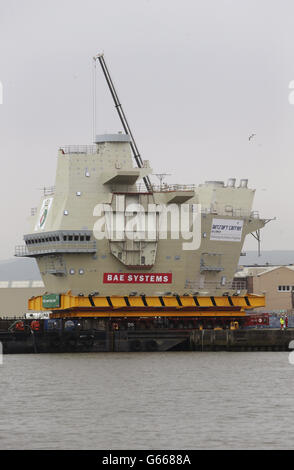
(26, 269)
(274, 258)
(19, 269)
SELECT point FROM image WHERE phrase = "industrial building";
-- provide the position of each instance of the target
(275, 282)
(14, 296)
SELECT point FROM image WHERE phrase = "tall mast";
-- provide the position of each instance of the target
(123, 118)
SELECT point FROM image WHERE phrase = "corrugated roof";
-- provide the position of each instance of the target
(21, 284)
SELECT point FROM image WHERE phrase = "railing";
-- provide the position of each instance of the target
(20, 250)
(56, 247)
(198, 285)
(48, 191)
(56, 270)
(205, 267)
(163, 188)
(141, 188)
(231, 213)
(78, 149)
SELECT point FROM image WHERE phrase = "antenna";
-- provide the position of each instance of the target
(161, 177)
(122, 117)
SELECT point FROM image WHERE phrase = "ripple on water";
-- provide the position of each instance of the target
(179, 400)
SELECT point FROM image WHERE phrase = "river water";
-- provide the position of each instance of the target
(173, 400)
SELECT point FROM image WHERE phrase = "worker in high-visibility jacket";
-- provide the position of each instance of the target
(282, 323)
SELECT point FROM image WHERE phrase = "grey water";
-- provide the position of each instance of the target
(172, 400)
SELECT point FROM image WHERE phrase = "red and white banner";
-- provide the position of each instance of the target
(137, 278)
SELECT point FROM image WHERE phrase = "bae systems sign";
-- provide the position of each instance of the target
(134, 278)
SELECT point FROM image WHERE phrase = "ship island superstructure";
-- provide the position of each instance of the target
(149, 263)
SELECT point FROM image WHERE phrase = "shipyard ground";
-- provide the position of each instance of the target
(60, 340)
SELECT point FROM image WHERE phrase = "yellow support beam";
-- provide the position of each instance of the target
(141, 305)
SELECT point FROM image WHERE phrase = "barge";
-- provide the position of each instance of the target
(142, 334)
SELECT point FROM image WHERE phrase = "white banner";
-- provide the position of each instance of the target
(226, 230)
(40, 225)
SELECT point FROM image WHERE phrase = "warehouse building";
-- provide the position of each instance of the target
(14, 296)
(275, 282)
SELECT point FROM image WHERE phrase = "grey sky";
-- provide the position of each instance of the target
(196, 78)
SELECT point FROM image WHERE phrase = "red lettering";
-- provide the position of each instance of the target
(136, 278)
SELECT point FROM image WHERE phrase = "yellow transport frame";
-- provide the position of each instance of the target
(148, 306)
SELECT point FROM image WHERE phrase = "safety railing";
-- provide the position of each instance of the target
(20, 250)
(231, 213)
(78, 149)
(48, 190)
(163, 188)
(55, 247)
(141, 188)
(199, 285)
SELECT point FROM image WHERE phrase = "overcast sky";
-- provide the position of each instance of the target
(195, 77)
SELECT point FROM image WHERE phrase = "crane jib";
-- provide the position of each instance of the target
(123, 119)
